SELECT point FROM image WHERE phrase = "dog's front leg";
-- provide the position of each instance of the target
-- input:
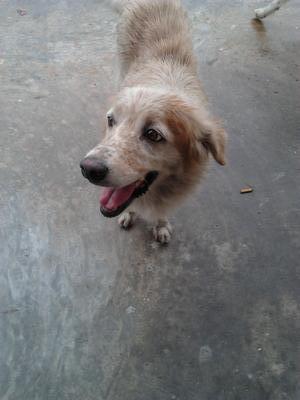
(127, 219)
(162, 231)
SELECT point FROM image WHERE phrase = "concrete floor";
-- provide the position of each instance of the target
(88, 312)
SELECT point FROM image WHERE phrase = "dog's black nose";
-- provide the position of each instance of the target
(93, 169)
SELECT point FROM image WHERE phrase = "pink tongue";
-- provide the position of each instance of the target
(113, 198)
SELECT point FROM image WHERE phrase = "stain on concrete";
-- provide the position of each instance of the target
(205, 354)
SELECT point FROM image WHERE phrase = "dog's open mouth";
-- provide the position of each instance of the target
(114, 201)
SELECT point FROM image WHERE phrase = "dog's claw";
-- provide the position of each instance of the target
(126, 220)
(162, 233)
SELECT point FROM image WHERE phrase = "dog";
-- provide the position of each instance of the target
(159, 132)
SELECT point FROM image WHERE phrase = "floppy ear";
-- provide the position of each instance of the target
(195, 125)
(213, 138)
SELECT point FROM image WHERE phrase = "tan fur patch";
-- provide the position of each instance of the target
(180, 121)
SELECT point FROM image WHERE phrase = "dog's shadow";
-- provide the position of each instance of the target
(158, 314)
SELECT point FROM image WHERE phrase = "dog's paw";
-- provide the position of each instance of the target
(162, 233)
(126, 220)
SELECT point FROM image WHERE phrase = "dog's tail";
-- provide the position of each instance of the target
(118, 5)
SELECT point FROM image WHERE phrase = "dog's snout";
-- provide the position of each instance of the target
(93, 169)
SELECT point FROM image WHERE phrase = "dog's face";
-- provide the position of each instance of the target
(150, 136)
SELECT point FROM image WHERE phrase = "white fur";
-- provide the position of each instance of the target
(162, 232)
(126, 220)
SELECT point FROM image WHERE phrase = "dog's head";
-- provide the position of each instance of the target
(151, 135)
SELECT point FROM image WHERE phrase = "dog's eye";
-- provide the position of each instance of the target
(110, 121)
(153, 135)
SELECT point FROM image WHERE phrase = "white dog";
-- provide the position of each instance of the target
(159, 132)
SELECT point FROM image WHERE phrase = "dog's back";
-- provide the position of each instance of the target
(154, 29)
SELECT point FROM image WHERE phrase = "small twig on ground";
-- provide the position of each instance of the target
(246, 190)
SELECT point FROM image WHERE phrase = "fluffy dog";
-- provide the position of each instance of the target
(159, 132)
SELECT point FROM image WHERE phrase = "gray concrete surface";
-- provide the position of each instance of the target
(89, 312)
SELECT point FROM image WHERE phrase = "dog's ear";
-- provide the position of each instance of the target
(213, 139)
(195, 130)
